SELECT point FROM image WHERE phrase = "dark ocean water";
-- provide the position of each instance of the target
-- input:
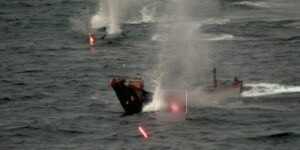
(54, 93)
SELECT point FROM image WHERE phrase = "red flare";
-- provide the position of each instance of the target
(132, 98)
(91, 39)
(175, 107)
(143, 132)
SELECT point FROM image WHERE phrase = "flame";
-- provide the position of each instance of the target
(91, 39)
(175, 107)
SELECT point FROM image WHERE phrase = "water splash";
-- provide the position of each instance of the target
(100, 19)
(266, 89)
(154, 105)
(113, 27)
(253, 4)
(108, 16)
(184, 59)
(216, 21)
(222, 37)
(80, 22)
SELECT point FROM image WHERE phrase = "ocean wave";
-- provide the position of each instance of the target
(266, 89)
(277, 136)
(252, 4)
(222, 37)
(217, 21)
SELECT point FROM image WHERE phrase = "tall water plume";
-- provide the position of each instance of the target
(108, 16)
(113, 27)
(184, 57)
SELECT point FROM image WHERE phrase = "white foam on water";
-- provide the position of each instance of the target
(266, 89)
(108, 16)
(222, 37)
(158, 37)
(218, 21)
(250, 3)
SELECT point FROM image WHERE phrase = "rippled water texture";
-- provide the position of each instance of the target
(54, 93)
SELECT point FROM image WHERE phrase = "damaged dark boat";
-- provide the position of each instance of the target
(132, 96)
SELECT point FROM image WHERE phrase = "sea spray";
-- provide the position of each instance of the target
(267, 89)
(81, 22)
(184, 59)
(113, 27)
(108, 16)
(100, 19)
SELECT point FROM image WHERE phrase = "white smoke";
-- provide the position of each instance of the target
(109, 16)
(184, 60)
(100, 19)
(81, 22)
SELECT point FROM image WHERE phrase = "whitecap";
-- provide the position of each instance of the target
(265, 89)
(253, 4)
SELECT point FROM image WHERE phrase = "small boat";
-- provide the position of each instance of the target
(219, 91)
(132, 96)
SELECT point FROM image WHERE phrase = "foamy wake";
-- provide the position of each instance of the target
(218, 21)
(222, 37)
(265, 89)
(253, 4)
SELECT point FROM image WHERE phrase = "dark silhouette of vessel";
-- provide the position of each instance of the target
(133, 97)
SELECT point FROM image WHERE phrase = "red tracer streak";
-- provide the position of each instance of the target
(142, 131)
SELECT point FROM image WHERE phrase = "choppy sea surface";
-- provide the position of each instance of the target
(54, 95)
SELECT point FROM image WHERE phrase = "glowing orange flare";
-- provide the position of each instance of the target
(91, 39)
(175, 107)
(142, 131)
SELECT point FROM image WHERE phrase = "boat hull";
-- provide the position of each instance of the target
(214, 95)
(131, 99)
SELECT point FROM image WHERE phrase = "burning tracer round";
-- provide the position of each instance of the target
(91, 39)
